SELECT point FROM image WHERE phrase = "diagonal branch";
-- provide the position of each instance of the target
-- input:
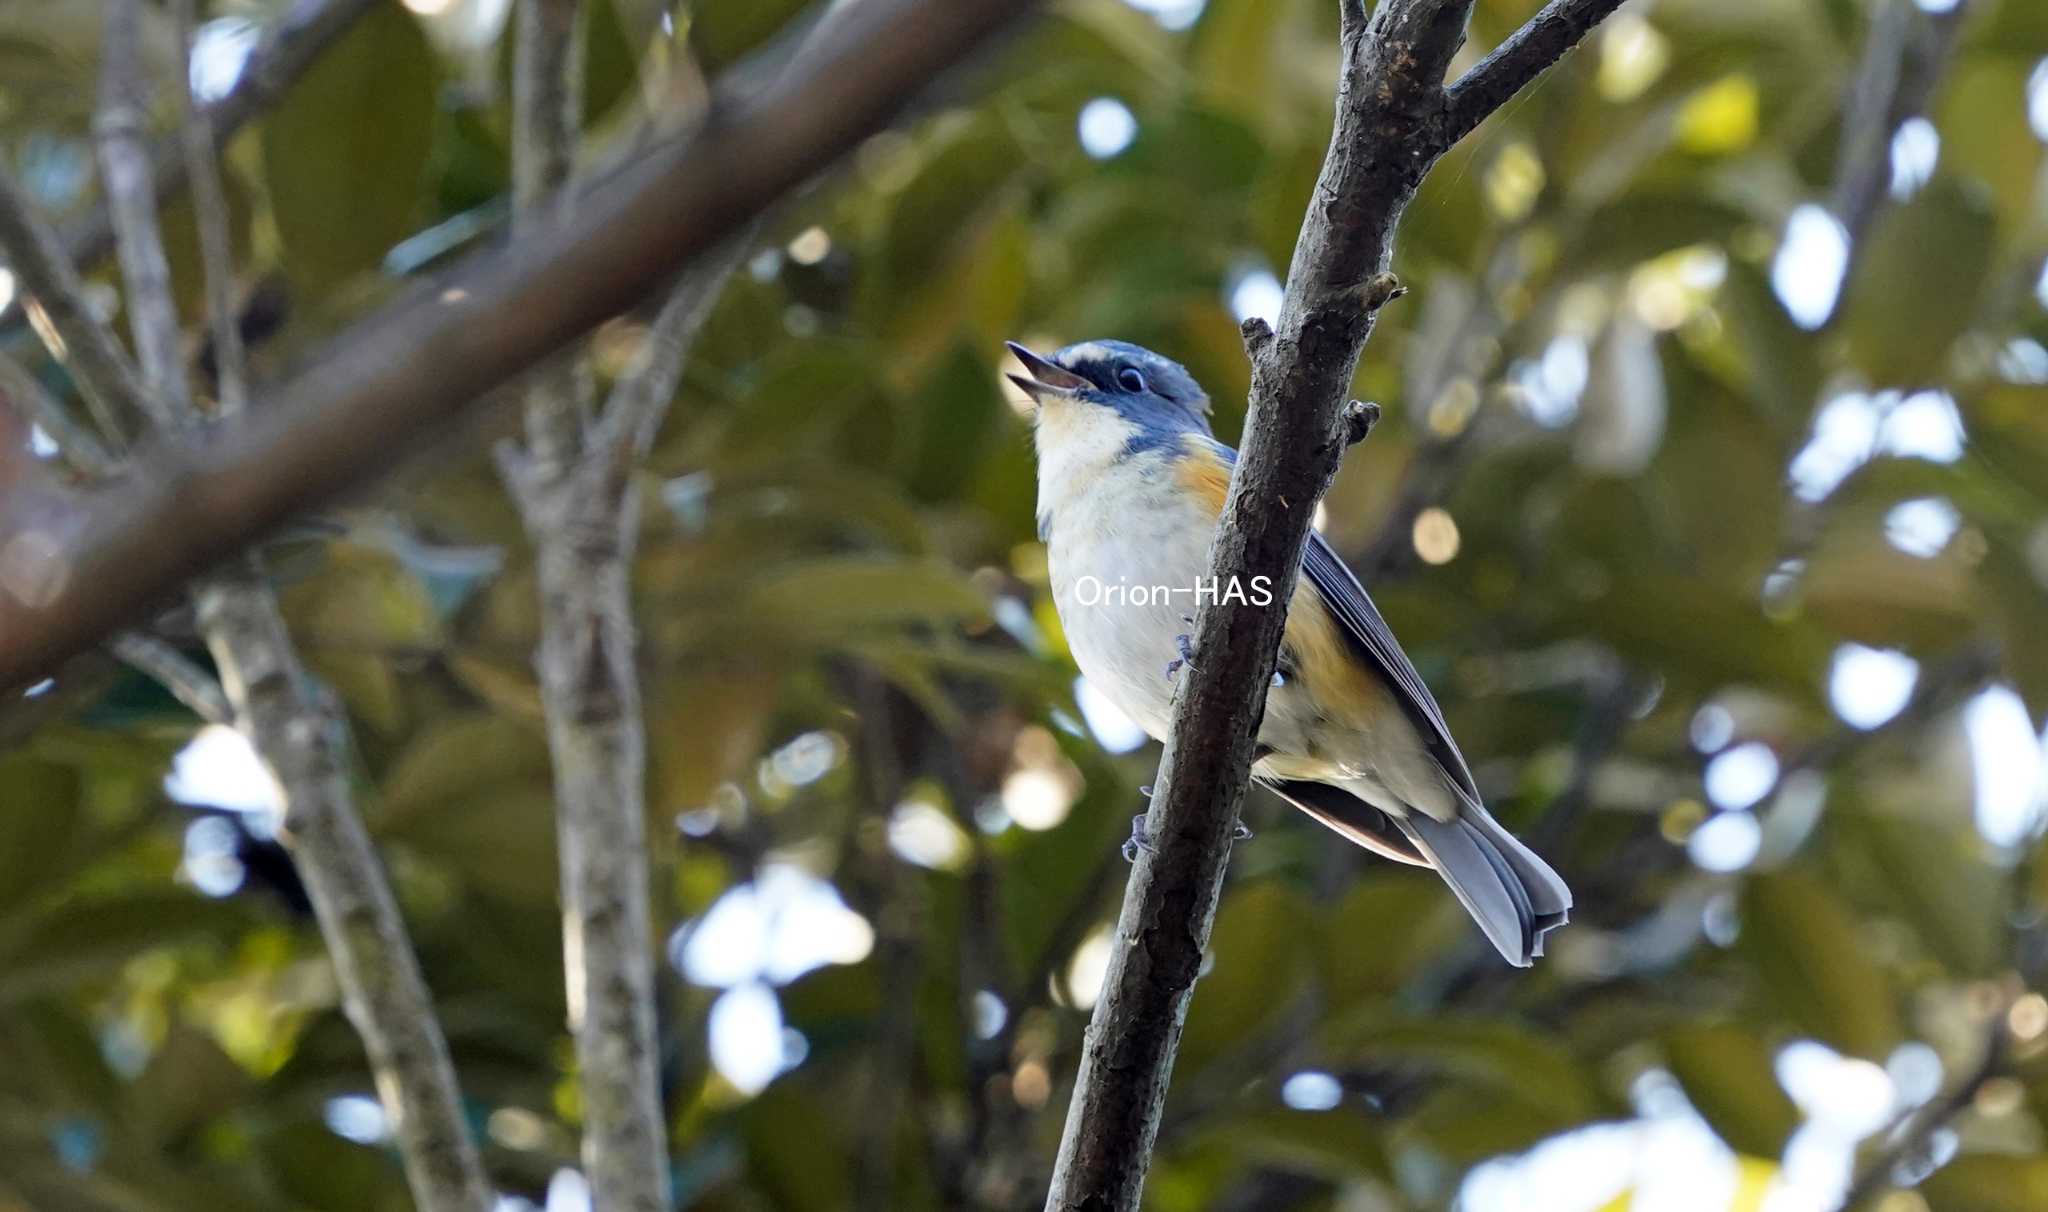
(79, 446)
(296, 727)
(187, 681)
(1904, 57)
(62, 317)
(634, 410)
(1388, 132)
(73, 570)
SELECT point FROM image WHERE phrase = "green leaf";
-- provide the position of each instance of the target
(1383, 931)
(1339, 1145)
(86, 938)
(345, 151)
(797, 1150)
(961, 167)
(500, 840)
(828, 597)
(1954, 897)
(1261, 959)
(458, 756)
(958, 416)
(1727, 1075)
(1985, 135)
(723, 31)
(40, 825)
(1916, 287)
(1990, 1182)
(610, 61)
(1814, 965)
(318, 1170)
(188, 1081)
(1499, 1055)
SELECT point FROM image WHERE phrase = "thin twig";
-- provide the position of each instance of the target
(634, 410)
(1526, 54)
(72, 571)
(174, 671)
(1904, 57)
(131, 200)
(70, 330)
(1914, 1138)
(210, 208)
(1389, 130)
(79, 446)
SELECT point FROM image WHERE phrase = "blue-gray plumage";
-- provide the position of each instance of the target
(1130, 484)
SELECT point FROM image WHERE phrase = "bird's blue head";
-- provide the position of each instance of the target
(1152, 393)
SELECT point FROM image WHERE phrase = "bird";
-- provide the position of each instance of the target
(1131, 482)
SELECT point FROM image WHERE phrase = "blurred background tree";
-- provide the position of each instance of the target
(1711, 500)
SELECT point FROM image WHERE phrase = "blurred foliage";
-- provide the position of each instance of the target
(843, 611)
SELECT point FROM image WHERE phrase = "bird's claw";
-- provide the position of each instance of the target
(1137, 841)
(1185, 645)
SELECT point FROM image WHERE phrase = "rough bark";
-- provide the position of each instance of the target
(1394, 118)
(301, 734)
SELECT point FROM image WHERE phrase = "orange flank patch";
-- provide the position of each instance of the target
(1203, 475)
(1332, 673)
(1330, 670)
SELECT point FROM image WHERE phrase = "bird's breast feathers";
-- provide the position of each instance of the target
(1128, 534)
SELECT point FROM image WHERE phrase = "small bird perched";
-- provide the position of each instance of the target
(1130, 485)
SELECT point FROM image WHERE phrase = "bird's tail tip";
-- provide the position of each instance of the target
(1514, 896)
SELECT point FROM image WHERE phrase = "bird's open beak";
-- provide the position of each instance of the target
(1046, 381)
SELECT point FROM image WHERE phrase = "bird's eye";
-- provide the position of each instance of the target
(1130, 379)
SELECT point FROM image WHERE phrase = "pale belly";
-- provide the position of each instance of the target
(1125, 592)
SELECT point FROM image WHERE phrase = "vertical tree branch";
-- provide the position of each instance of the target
(547, 92)
(210, 209)
(119, 131)
(298, 730)
(575, 500)
(1391, 125)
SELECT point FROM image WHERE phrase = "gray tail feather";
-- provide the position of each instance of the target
(1514, 895)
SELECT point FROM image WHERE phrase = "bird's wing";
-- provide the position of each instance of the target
(1369, 634)
(1350, 817)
